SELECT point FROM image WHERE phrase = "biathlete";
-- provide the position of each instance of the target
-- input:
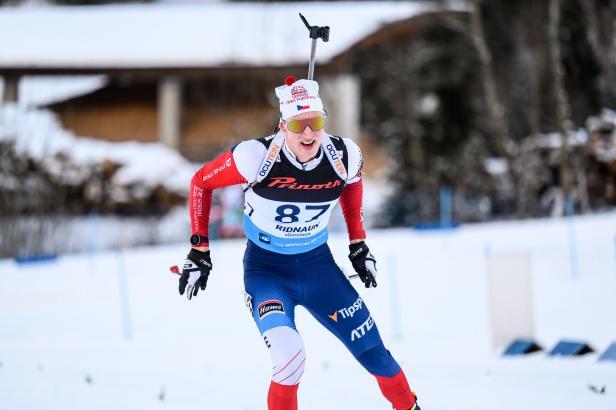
(292, 181)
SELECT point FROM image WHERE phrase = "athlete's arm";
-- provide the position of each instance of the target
(352, 194)
(236, 166)
(218, 173)
(351, 204)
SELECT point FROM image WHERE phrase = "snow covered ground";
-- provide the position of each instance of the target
(66, 342)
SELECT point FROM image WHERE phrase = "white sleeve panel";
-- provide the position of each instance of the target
(355, 161)
(248, 156)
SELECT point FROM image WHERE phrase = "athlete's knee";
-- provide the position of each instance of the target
(378, 361)
(288, 354)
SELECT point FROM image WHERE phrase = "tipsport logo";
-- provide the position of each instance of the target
(348, 312)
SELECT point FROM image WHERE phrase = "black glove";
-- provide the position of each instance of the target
(197, 267)
(363, 263)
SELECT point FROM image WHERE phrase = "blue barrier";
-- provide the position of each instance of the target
(446, 205)
(570, 348)
(609, 354)
(428, 226)
(24, 260)
(522, 346)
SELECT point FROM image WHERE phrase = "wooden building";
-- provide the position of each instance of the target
(196, 77)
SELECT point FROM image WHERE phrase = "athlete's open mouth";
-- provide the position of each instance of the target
(308, 144)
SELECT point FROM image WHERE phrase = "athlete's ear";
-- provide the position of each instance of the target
(282, 126)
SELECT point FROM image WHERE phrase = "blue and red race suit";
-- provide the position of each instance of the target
(287, 261)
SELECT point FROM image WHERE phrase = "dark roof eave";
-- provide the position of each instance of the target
(187, 71)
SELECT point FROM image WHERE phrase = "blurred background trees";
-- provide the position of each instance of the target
(509, 107)
(486, 85)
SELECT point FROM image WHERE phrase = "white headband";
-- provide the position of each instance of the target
(297, 97)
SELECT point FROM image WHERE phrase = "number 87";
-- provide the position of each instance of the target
(288, 213)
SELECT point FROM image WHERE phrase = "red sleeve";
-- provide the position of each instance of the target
(351, 203)
(218, 173)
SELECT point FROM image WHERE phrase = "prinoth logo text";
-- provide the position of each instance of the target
(291, 183)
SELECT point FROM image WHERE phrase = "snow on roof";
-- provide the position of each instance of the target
(194, 35)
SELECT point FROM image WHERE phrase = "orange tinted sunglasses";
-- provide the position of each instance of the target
(298, 126)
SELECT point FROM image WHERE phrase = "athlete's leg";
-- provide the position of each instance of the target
(273, 310)
(332, 300)
(288, 358)
(271, 299)
(393, 384)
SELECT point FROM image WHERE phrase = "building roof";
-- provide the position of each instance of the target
(188, 35)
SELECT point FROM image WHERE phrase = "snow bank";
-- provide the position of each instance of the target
(38, 134)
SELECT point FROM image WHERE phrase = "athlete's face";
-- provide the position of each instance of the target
(304, 143)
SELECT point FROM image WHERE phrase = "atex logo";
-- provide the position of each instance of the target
(363, 329)
(348, 312)
(269, 307)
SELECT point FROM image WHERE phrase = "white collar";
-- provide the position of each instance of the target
(306, 166)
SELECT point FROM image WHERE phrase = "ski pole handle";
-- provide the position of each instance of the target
(314, 32)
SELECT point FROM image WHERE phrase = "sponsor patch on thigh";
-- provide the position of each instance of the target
(270, 307)
(347, 312)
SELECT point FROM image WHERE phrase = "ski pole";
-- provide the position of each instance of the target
(315, 32)
(313, 50)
